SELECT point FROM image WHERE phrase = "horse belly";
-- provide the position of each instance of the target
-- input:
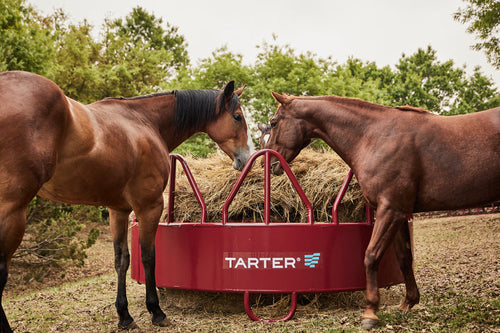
(104, 178)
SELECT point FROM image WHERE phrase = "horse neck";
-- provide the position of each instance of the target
(343, 123)
(158, 112)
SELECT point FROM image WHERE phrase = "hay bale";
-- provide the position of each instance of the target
(320, 174)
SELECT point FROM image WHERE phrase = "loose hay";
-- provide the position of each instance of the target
(320, 175)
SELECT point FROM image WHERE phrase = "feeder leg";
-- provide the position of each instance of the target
(288, 316)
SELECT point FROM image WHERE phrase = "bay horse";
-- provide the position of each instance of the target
(113, 153)
(405, 159)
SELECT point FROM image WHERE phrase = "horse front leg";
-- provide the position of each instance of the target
(118, 221)
(402, 247)
(148, 225)
(386, 226)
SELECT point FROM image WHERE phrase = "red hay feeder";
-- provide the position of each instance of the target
(262, 257)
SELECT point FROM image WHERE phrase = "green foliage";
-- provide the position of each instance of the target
(477, 93)
(138, 54)
(199, 145)
(421, 80)
(54, 233)
(143, 28)
(278, 68)
(483, 17)
(74, 68)
(134, 57)
(25, 43)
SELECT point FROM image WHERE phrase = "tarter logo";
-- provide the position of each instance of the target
(266, 261)
(261, 263)
(311, 260)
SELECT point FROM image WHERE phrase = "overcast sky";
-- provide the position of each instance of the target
(371, 30)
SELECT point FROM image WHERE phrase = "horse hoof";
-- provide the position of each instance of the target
(163, 323)
(405, 307)
(369, 323)
(130, 327)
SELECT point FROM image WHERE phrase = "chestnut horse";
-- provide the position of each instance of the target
(406, 160)
(112, 153)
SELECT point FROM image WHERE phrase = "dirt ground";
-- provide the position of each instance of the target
(457, 266)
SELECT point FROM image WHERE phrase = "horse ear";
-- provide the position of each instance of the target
(262, 127)
(229, 90)
(240, 91)
(282, 99)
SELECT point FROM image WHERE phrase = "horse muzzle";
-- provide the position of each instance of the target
(241, 157)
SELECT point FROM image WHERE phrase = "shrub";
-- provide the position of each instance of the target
(54, 233)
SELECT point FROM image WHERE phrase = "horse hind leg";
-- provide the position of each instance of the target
(12, 227)
(402, 246)
(4, 324)
(118, 221)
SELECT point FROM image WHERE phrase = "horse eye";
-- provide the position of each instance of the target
(237, 117)
(274, 123)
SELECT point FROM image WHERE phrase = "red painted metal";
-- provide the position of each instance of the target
(340, 196)
(288, 316)
(267, 185)
(171, 190)
(263, 257)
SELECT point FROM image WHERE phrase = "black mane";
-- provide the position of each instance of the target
(194, 108)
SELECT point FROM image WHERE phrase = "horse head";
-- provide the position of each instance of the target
(286, 132)
(230, 130)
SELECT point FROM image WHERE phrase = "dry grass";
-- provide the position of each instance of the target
(456, 263)
(320, 175)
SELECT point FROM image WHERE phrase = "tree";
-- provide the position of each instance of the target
(360, 80)
(422, 81)
(139, 54)
(476, 94)
(483, 17)
(278, 68)
(75, 68)
(25, 43)
(136, 54)
(142, 27)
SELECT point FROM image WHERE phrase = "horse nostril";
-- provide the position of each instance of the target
(238, 164)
